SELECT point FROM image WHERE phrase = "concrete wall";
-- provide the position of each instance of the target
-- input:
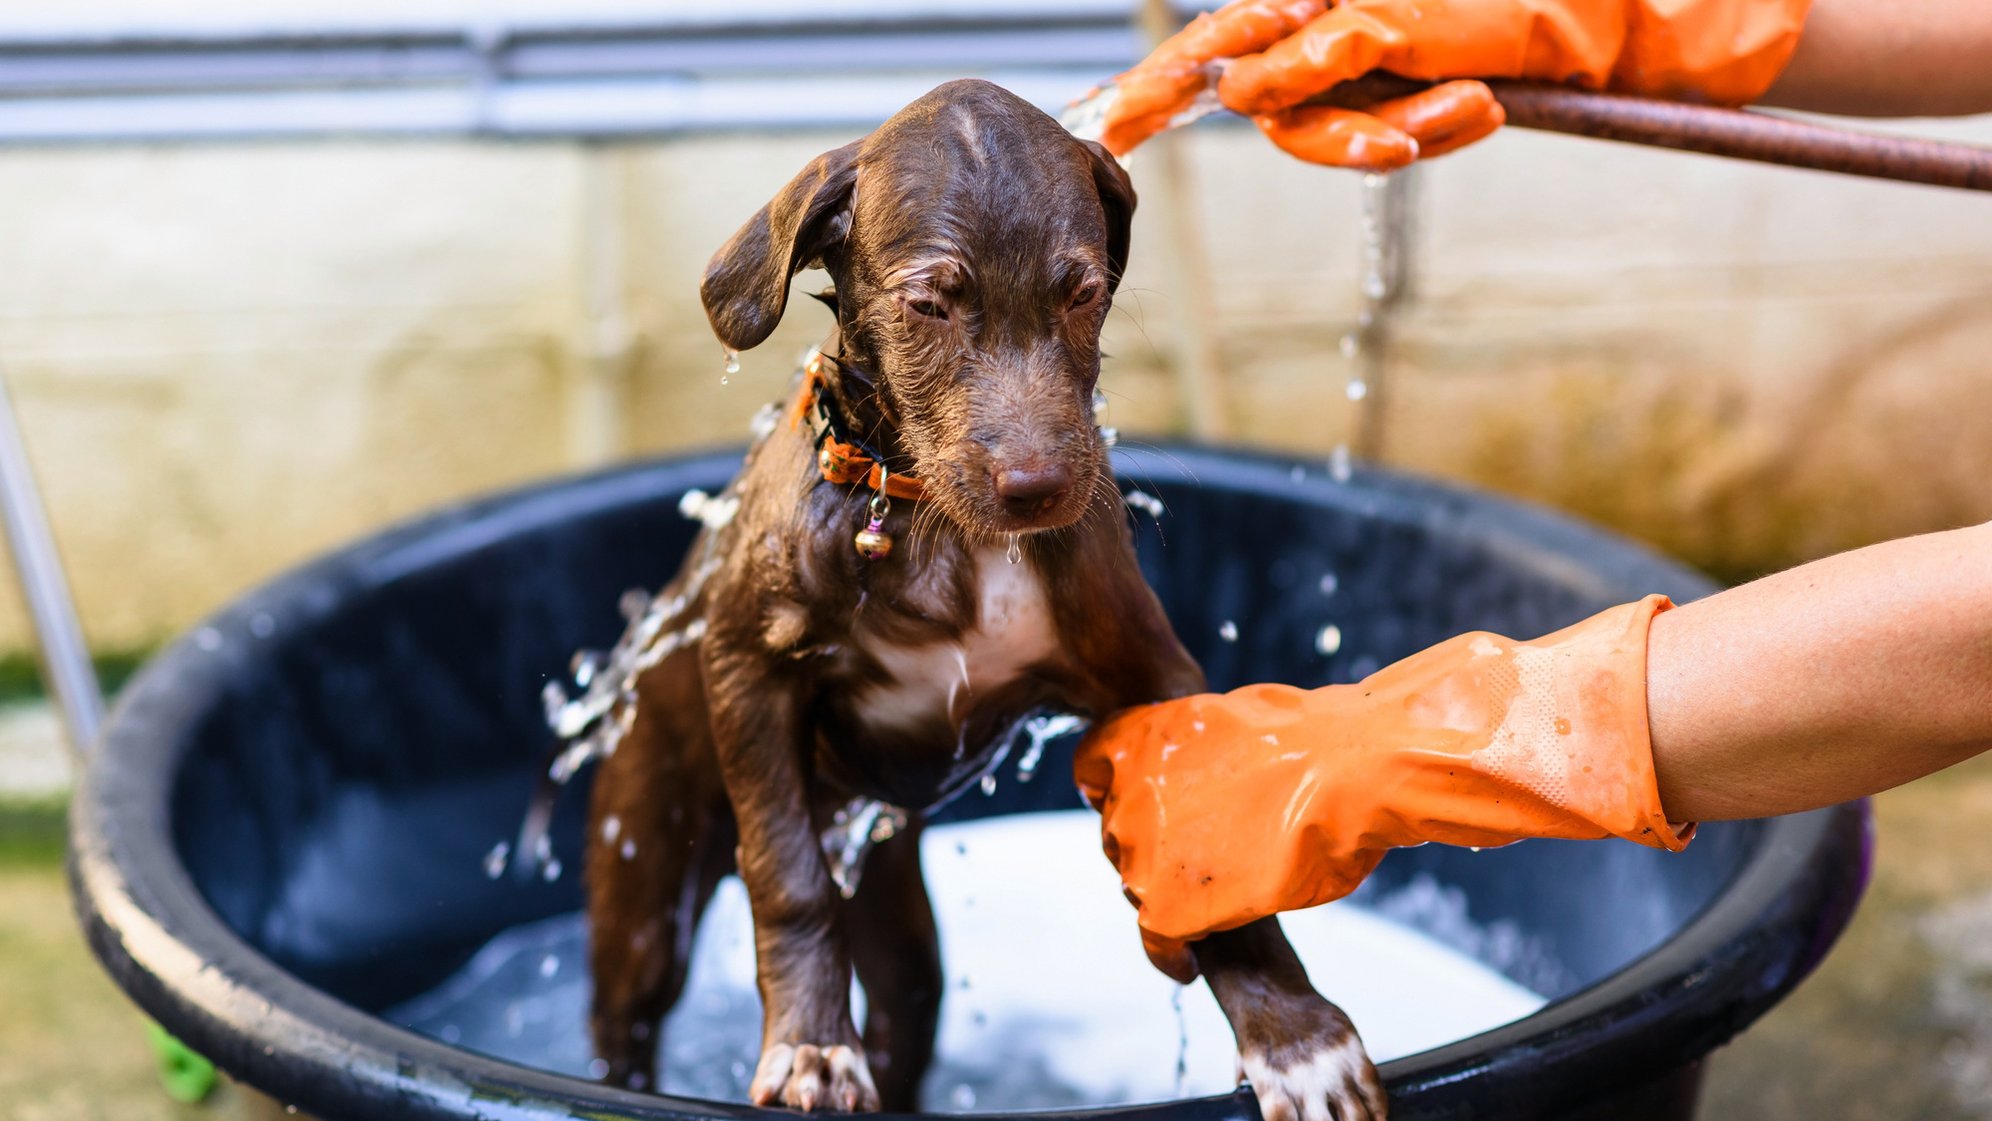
(231, 358)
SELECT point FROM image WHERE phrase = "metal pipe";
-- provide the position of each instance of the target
(1740, 134)
(64, 656)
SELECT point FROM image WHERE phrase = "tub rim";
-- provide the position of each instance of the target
(162, 943)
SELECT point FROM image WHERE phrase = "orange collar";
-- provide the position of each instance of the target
(840, 456)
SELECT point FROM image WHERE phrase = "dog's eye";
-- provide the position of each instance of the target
(1085, 296)
(928, 308)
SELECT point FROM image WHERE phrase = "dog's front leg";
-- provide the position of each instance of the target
(811, 1057)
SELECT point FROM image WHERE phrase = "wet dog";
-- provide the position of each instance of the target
(926, 548)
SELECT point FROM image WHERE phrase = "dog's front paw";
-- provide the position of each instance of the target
(809, 1077)
(1323, 1074)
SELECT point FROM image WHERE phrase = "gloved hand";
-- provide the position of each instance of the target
(1222, 809)
(1282, 52)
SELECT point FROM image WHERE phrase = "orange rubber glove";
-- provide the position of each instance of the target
(1222, 809)
(1267, 56)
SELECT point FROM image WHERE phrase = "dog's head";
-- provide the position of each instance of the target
(975, 246)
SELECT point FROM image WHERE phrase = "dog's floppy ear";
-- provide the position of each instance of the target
(1117, 196)
(746, 283)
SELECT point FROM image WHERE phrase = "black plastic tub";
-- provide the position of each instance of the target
(283, 832)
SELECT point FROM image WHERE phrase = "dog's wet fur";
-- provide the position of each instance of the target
(974, 248)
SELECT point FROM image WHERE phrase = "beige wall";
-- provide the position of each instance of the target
(231, 358)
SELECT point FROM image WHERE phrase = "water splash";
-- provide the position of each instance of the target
(713, 512)
(1182, 1042)
(854, 828)
(1146, 503)
(1040, 731)
(592, 720)
(1329, 640)
(495, 860)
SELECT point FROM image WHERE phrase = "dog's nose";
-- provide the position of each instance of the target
(1028, 491)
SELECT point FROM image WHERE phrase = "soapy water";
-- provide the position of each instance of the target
(1050, 1002)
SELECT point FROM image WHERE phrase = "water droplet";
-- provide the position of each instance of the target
(732, 365)
(963, 1097)
(1099, 403)
(495, 860)
(550, 871)
(1329, 640)
(1473, 848)
(611, 829)
(1373, 286)
(598, 1069)
(1145, 502)
(628, 850)
(978, 1018)
(1329, 583)
(1351, 345)
(450, 1033)
(1339, 466)
(208, 639)
(1016, 553)
(1182, 1040)
(1358, 389)
(549, 965)
(988, 784)
(1110, 436)
(961, 849)
(262, 624)
(1228, 631)
(1297, 474)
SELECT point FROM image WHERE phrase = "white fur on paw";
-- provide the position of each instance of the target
(1330, 1082)
(808, 1077)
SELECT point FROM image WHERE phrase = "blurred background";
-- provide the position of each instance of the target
(274, 274)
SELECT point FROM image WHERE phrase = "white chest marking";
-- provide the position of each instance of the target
(1012, 631)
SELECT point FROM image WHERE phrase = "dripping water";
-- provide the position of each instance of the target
(1040, 731)
(1386, 229)
(731, 366)
(854, 828)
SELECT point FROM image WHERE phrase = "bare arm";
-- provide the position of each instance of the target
(1891, 58)
(1831, 681)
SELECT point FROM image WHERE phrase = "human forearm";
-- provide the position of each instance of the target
(1830, 681)
(1904, 59)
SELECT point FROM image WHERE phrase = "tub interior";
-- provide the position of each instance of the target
(385, 729)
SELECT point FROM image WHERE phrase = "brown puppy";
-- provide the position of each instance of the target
(784, 684)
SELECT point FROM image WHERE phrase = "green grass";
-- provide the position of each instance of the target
(32, 832)
(20, 676)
